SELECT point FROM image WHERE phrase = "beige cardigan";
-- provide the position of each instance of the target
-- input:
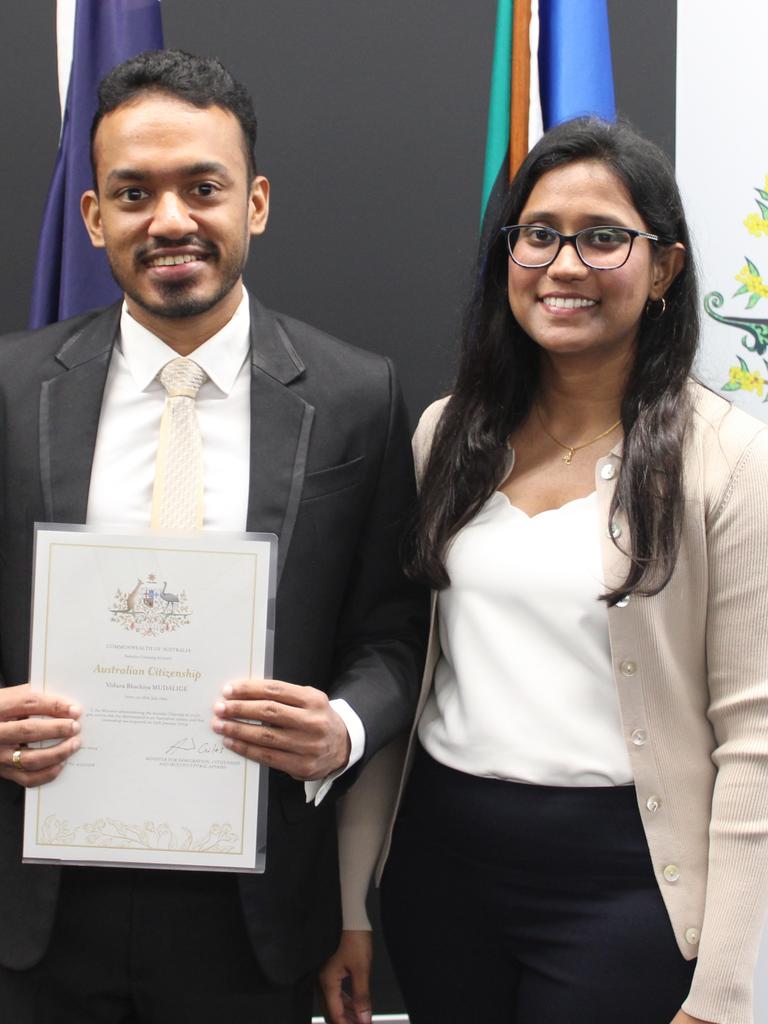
(691, 671)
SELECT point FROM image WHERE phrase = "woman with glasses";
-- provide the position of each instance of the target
(582, 834)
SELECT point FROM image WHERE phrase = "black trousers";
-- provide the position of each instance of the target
(505, 903)
(148, 947)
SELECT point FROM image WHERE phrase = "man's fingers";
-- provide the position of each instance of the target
(55, 707)
(31, 730)
(305, 756)
(310, 742)
(26, 702)
(299, 766)
(36, 759)
(34, 767)
(30, 779)
(267, 711)
(276, 690)
(20, 725)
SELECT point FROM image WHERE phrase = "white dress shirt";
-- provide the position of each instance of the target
(524, 689)
(123, 471)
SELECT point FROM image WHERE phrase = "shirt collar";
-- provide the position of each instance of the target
(221, 356)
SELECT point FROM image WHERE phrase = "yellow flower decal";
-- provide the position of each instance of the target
(756, 225)
(751, 280)
(740, 379)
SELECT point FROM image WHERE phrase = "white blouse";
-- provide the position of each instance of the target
(524, 689)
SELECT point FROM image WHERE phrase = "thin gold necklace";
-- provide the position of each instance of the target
(571, 449)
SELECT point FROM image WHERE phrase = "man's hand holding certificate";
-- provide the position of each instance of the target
(143, 631)
(29, 717)
(292, 728)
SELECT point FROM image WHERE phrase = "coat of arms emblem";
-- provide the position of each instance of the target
(150, 609)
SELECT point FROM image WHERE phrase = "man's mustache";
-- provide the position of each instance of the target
(167, 245)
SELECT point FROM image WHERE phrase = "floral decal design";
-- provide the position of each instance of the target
(741, 375)
(114, 834)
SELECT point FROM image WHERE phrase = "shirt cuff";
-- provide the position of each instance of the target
(317, 788)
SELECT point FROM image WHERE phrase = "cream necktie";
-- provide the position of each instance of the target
(177, 498)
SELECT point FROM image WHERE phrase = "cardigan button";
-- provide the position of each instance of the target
(653, 803)
(614, 531)
(671, 872)
(692, 936)
(608, 471)
(638, 737)
(628, 668)
(623, 601)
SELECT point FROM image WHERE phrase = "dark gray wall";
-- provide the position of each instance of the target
(372, 123)
(644, 44)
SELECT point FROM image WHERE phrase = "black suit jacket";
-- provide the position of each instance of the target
(331, 475)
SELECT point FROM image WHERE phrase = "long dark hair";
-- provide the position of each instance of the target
(498, 375)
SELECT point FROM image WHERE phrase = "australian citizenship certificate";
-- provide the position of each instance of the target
(142, 630)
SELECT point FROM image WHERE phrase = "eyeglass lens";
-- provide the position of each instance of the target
(604, 248)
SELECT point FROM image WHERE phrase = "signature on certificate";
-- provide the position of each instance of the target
(188, 745)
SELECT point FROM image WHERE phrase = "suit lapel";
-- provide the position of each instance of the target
(70, 405)
(281, 423)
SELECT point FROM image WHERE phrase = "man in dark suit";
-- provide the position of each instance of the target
(303, 436)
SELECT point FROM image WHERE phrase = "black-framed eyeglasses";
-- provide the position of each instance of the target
(605, 247)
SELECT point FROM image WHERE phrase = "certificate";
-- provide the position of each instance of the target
(142, 630)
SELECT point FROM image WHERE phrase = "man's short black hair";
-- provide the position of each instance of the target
(201, 81)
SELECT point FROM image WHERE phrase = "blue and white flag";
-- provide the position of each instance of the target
(93, 36)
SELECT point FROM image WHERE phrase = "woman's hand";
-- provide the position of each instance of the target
(685, 1018)
(351, 960)
(17, 727)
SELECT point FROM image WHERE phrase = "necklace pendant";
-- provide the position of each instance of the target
(568, 457)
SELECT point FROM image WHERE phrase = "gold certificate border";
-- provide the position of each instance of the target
(256, 559)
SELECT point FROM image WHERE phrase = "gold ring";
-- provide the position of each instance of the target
(16, 759)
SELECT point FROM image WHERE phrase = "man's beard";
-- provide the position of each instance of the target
(177, 302)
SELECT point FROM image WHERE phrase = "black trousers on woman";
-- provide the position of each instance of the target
(504, 903)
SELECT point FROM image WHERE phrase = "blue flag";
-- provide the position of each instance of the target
(70, 275)
(576, 76)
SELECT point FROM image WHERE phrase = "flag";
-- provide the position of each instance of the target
(575, 60)
(497, 132)
(93, 36)
(552, 61)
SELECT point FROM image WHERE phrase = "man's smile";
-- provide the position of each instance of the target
(172, 261)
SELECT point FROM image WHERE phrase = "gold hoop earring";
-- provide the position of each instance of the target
(659, 311)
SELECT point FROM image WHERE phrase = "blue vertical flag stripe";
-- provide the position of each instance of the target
(576, 75)
(70, 275)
